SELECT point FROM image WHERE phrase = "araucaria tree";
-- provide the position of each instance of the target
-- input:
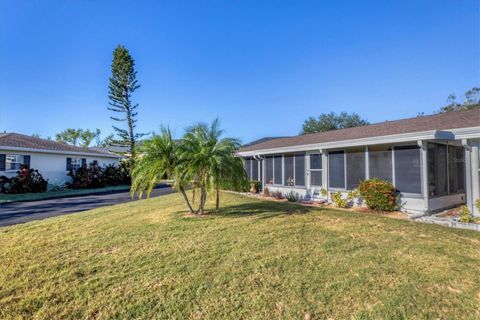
(122, 84)
(201, 159)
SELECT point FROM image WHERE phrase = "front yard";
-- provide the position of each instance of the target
(254, 259)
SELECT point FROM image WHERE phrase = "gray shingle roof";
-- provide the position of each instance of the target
(443, 121)
(16, 140)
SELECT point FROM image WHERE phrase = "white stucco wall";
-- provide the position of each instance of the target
(53, 166)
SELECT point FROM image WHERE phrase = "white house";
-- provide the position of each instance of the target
(433, 161)
(52, 159)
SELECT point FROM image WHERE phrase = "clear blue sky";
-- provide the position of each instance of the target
(262, 67)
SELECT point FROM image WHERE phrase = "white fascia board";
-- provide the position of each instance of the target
(466, 133)
(395, 138)
(7, 148)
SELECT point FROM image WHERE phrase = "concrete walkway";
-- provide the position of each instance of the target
(21, 212)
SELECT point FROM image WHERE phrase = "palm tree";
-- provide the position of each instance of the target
(159, 159)
(211, 160)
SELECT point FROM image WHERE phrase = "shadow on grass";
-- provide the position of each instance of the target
(262, 209)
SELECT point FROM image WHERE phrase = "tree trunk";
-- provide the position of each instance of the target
(217, 200)
(203, 198)
(182, 191)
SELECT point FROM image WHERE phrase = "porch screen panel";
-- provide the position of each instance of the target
(380, 163)
(254, 169)
(437, 169)
(355, 168)
(260, 173)
(336, 170)
(277, 167)
(300, 169)
(408, 171)
(247, 165)
(269, 170)
(288, 177)
(456, 169)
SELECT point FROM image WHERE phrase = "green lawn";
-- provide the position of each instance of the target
(4, 198)
(255, 259)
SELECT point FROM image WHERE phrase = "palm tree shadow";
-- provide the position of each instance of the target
(262, 209)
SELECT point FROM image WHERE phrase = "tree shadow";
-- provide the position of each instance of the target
(262, 209)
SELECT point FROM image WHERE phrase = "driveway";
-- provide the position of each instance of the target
(21, 212)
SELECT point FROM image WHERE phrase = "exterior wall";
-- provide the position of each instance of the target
(416, 204)
(53, 166)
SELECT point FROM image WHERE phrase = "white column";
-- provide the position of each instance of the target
(424, 172)
(475, 182)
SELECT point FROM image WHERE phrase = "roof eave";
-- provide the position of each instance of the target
(61, 152)
(452, 134)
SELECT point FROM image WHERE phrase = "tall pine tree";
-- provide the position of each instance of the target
(122, 84)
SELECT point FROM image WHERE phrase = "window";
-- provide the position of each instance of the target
(316, 170)
(456, 169)
(336, 169)
(300, 169)
(408, 172)
(75, 163)
(277, 169)
(437, 169)
(355, 167)
(269, 170)
(380, 163)
(13, 162)
(289, 177)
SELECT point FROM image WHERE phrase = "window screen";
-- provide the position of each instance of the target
(300, 170)
(456, 169)
(277, 167)
(260, 177)
(254, 169)
(380, 163)
(269, 170)
(437, 169)
(248, 167)
(288, 178)
(408, 172)
(336, 169)
(315, 161)
(355, 168)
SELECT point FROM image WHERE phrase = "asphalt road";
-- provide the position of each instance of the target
(21, 212)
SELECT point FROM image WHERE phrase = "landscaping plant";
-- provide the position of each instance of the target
(292, 196)
(378, 194)
(466, 215)
(338, 199)
(27, 181)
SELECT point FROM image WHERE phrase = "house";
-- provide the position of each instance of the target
(433, 161)
(52, 159)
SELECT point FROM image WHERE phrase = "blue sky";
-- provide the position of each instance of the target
(262, 67)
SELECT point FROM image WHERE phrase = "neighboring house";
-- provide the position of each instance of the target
(52, 159)
(433, 161)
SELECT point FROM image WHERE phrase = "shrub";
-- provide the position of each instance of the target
(56, 186)
(466, 215)
(5, 184)
(323, 192)
(338, 199)
(378, 194)
(27, 181)
(266, 192)
(292, 196)
(87, 177)
(255, 186)
(477, 204)
(116, 175)
(353, 195)
(277, 195)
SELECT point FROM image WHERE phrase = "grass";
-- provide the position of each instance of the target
(254, 259)
(5, 198)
